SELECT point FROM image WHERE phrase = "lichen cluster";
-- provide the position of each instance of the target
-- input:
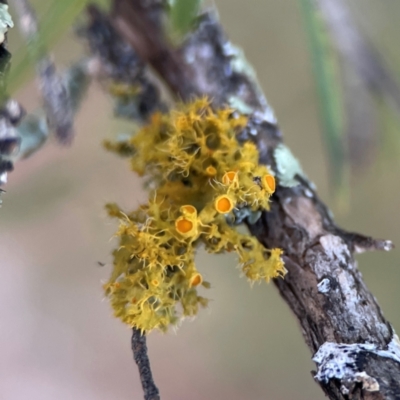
(199, 175)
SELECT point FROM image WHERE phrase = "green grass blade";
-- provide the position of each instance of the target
(328, 85)
(182, 15)
(54, 23)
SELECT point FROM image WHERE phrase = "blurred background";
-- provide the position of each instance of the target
(57, 335)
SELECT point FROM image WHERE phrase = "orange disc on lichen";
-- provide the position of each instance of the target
(155, 118)
(229, 177)
(211, 171)
(183, 225)
(223, 204)
(196, 280)
(269, 182)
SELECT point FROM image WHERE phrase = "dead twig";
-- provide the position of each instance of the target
(139, 348)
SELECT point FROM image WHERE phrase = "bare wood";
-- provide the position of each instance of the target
(339, 317)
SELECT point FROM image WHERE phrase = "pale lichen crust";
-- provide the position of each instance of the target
(339, 361)
(199, 175)
(5, 21)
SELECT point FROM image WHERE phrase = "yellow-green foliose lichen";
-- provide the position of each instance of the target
(200, 175)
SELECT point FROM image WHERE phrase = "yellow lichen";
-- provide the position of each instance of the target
(188, 209)
(200, 176)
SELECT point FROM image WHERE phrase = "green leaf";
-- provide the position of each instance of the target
(182, 15)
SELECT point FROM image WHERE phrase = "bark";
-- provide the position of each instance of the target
(355, 348)
(139, 348)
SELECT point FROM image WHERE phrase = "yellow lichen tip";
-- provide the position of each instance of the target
(229, 177)
(199, 174)
(188, 209)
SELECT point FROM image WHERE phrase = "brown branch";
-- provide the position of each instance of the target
(141, 358)
(117, 63)
(154, 48)
(355, 348)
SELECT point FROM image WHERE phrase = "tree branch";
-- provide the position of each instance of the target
(118, 64)
(356, 349)
(141, 358)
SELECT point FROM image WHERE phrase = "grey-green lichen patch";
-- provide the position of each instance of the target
(33, 131)
(240, 65)
(238, 104)
(5, 21)
(242, 213)
(287, 166)
(239, 62)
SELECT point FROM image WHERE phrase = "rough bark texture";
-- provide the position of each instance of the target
(139, 348)
(11, 113)
(323, 287)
